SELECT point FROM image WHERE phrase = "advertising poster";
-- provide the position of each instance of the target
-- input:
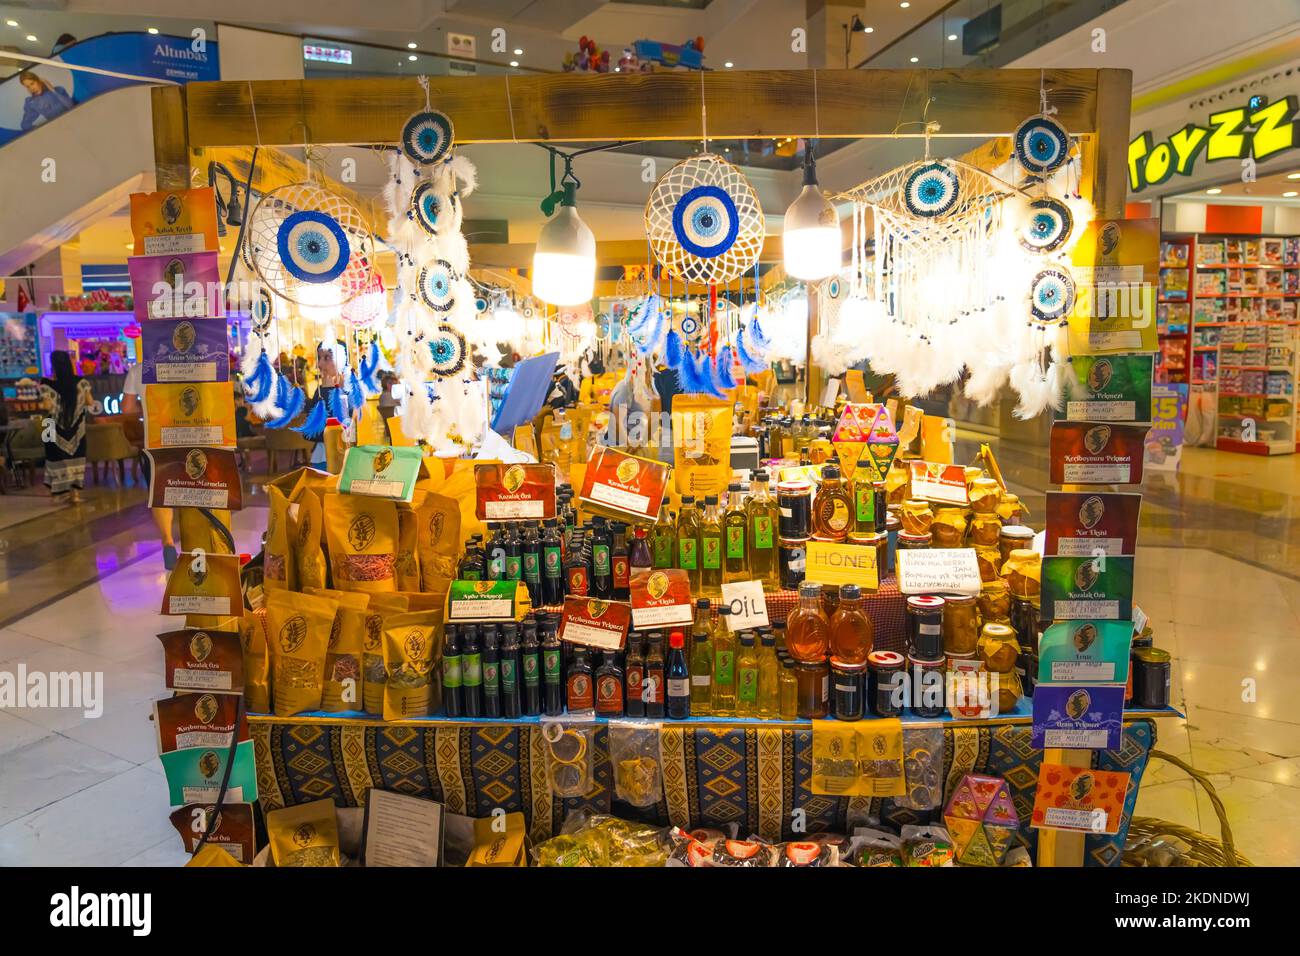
(1164, 445)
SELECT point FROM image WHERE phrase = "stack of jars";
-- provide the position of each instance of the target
(829, 635)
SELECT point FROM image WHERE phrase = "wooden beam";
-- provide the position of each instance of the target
(567, 107)
(171, 154)
(1110, 175)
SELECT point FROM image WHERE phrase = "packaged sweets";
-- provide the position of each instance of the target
(257, 665)
(343, 684)
(742, 853)
(927, 846)
(276, 559)
(308, 560)
(406, 569)
(361, 534)
(304, 835)
(634, 755)
(807, 854)
(568, 757)
(373, 673)
(598, 839)
(411, 652)
(876, 848)
(922, 767)
(438, 540)
(686, 850)
(298, 632)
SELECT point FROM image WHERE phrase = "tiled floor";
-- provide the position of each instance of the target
(81, 592)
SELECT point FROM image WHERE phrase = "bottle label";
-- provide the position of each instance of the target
(609, 693)
(580, 692)
(513, 568)
(491, 676)
(763, 537)
(679, 687)
(530, 567)
(622, 572)
(866, 501)
(600, 559)
(551, 559)
(663, 551)
(578, 582)
(712, 552)
(551, 664)
(470, 576)
(508, 675)
(652, 688)
(748, 689)
(451, 676)
(836, 515)
(634, 683)
(724, 667)
(736, 543)
(472, 669)
(686, 549)
(701, 680)
(531, 675)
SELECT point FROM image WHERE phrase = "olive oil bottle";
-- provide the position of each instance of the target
(711, 549)
(761, 511)
(663, 540)
(735, 562)
(724, 666)
(747, 667)
(688, 541)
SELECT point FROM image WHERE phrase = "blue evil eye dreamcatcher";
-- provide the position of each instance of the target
(704, 222)
(1042, 145)
(689, 327)
(448, 350)
(1048, 227)
(931, 190)
(426, 204)
(427, 137)
(261, 311)
(438, 286)
(609, 327)
(312, 246)
(481, 305)
(1051, 296)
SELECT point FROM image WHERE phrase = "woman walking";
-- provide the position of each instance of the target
(67, 398)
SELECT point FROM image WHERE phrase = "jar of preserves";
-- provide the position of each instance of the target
(814, 679)
(927, 687)
(1151, 671)
(985, 495)
(794, 503)
(1009, 509)
(948, 529)
(898, 483)
(885, 670)
(916, 516)
(1023, 572)
(961, 624)
(792, 561)
(985, 531)
(847, 688)
(925, 626)
(995, 601)
(998, 647)
(913, 542)
(1013, 537)
(989, 563)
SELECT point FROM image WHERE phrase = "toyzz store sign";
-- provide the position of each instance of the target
(1257, 130)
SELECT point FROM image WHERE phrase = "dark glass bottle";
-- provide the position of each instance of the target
(609, 686)
(473, 565)
(620, 562)
(532, 557)
(653, 682)
(530, 668)
(496, 552)
(471, 669)
(678, 678)
(580, 696)
(552, 672)
(552, 564)
(514, 553)
(510, 692)
(577, 580)
(451, 672)
(602, 572)
(638, 552)
(491, 672)
(634, 675)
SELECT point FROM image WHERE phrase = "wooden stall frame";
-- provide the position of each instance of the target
(1092, 104)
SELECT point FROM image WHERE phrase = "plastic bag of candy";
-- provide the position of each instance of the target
(927, 846)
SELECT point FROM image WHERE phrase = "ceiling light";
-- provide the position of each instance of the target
(904, 4)
(564, 262)
(518, 52)
(1291, 194)
(31, 38)
(410, 46)
(11, 23)
(153, 31)
(868, 29)
(1293, 176)
(412, 57)
(1213, 192)
(514, 62)
(728, 64)
(952, 36)
(617, 70)
(810, 235)
(915, 59)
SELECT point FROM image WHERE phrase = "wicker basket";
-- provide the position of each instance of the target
(1185, 846)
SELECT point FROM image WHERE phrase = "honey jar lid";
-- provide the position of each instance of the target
(885, 659)
(1022, 554)
(1017, 531)
(1152, 655)
(999, 631)
(925, 602)
(850, 667)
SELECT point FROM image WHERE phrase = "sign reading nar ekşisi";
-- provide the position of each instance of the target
(1257, 129)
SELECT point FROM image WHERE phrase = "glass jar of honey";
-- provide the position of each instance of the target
(961, 624)
(985, 531)
(814, 679)
(1013, 536)
(898, 483)
(985, 493)
(994, 601)
(1023, 573)
(948, 529)
(989, 561)
(916, 516)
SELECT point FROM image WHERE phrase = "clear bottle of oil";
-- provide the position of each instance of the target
(735, 524)
(747, 669)
(724, 666)
(762, 514)
(769, 703)
(688, 541)
(663, 540)
(711, 549)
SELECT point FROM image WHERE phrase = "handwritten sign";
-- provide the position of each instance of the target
(748, 605)
(939, 571)
(830, 563)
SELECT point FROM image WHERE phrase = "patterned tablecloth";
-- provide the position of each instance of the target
(755, 777)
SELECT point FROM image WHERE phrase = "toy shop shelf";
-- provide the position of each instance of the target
(1023, 714)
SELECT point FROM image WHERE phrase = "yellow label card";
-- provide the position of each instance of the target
(197, 413)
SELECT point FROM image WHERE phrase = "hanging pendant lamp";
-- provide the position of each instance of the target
(564, 262)
(811, 234)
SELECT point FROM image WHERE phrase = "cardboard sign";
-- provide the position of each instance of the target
(1080, 524)
(661, 598)
(623, 486)
(184, 350)
(1078, 798)
(748, 605)
(831, 563)
(198, 659)
(233, 832)
(1165, 439)
(487, 601)
(595, 623)
(183, 286)
(1115, 265)
(1085, 652)
(1087, 453)
(193, 414)
(1075, 589)
(173, 221)
(1078, 718)
(206, 584)
(194, 774)
(197, 720)
(855, 384)
(939, 571)
(940, 483)
(514, 492)
(381, 471)
(188, 477)
(1113, 388)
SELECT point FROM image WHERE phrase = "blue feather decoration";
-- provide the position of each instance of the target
(674, 350)
(283, 391)
(725, 378)
(356, 397)
(369, 368)
(760, 341)
(748, 361)
(688, 375)
(314, 425)
(289, 409)
(257, 387)
(709, 375)
(334, 398)
(651, 336)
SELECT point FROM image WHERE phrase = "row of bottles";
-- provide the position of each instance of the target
(503, 670)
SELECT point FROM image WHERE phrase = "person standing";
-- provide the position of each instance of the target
(67, 398)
